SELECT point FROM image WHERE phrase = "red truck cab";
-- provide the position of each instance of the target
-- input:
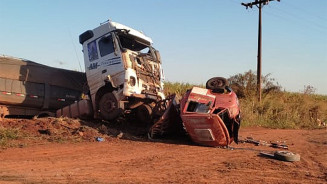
(211, 116)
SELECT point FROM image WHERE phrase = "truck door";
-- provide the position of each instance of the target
(110, 61)
(102, 60)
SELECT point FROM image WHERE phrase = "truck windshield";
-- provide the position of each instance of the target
(133, 43)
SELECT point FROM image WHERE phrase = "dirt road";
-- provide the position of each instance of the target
(126, 161)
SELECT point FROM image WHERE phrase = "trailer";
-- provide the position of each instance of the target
(31, 89)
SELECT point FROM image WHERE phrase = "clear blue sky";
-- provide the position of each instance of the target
(197, 39)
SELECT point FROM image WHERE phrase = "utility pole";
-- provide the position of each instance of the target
(259, 4)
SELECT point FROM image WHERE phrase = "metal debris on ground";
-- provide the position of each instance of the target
(282, 155)
(166, 118)
(264, 143)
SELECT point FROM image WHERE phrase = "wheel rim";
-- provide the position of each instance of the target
(108, 107)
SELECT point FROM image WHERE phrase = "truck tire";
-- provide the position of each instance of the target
(287, 156)
(216, 83)
(108, 107)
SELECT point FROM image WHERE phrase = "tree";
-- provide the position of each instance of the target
(245, 85)
(308, 90)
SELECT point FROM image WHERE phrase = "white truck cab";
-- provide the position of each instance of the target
(123, 70)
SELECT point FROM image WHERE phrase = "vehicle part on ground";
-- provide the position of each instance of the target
(99, 139)
(81, 109)
(264, 143)
(277, 145)
(283, 156)
(211, 117)
(108, 107)
(287, 156)
(166, 118)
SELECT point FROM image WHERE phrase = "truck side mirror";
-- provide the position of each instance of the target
(85, 36)
(157, 53)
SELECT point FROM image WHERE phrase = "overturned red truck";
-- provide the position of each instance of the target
(210, 116)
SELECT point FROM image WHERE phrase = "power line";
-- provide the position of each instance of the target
(291, 20)
(313, 15)
(79, 63)
(259, 4)
(302, 18)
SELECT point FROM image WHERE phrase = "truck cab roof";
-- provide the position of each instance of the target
(110, 26)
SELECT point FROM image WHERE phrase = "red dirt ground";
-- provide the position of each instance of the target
(140, 161)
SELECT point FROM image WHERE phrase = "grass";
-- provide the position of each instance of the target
(177, 88)
(8, 134)
(284, 110)
(276, 110)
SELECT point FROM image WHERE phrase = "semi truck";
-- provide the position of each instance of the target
(123, 72)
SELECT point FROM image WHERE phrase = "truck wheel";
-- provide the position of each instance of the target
(287, 156)
(108, 107)
(216, 83)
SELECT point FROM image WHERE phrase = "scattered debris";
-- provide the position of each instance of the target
(99, 139)
(282, 155)
(264, 143)
(166, 117)
(279, 155)
(120, 135)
